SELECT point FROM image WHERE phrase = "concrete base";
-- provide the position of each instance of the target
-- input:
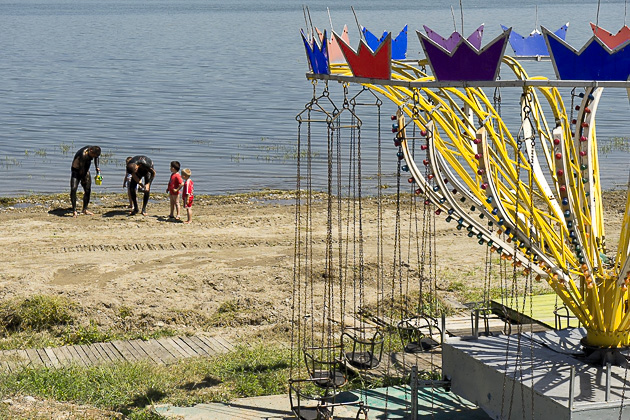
(510, 377)
(391, 403)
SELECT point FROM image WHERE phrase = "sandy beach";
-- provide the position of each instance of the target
(229, 272)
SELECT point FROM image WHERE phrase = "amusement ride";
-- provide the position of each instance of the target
(532, 197)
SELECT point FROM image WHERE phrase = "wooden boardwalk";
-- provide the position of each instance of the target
(163, 350)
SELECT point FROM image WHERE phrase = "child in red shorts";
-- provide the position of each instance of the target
(174, 185)
(187, 193)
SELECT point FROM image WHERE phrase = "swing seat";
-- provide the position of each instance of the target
(326, 370)
(362, 359)
(425, 344)
(367, 348)
(416, 334)
(308, 407)
(317, 407)
(333, 378)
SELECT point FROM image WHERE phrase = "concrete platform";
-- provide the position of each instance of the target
(508, 377)
(391, 403)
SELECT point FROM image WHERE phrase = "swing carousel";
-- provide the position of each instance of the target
(530, 196)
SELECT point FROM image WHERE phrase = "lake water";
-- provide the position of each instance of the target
(216, 84)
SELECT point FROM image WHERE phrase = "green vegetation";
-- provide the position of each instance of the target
(130, 387)
(66, 148)
(36, 313)
(614, 144)
(48, 321)
(468, 293)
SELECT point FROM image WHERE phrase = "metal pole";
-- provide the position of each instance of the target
(443, 328)
(571, 392)
(607, 381)
(476, 331)
(414, 392)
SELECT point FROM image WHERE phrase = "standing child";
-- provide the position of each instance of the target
(126, 181)
(174, 185)
(187, 193)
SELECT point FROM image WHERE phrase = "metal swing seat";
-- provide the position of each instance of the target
(307, 404)
(562, 315)
(325, 367)
(366, 346)
(417, 333)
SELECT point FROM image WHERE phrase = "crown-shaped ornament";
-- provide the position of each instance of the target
(316, 53)
(399, 44)
(595, 61)
(464, 61)
(534, 44)
(335, 56)
(611, 41)
(364, 62)
(449, 43)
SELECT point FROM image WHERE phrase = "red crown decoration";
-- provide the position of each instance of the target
(611, 41)
(367, 63)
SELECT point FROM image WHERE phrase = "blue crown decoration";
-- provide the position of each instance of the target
(317, 55)
(399, 44)
(595, 61)
(534, 44)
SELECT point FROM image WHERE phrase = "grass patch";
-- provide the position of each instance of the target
(130, 388)
(36, 313)
(50, 321)
(468, 293)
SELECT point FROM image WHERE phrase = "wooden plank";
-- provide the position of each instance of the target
(80, 348)
(53, 358)
(228, 346)
(112, 353)
(123, 348)
(96, 350)
(22, 358)
(184, 349)
(166, 344)
(210, 347)
(78, 356)
(153, 352)
(207, 351)
(93, 358)
(212, 343)
(185, 346)
(194, 346)
(176, 347)
(139, 354)
(136, 344)
(60, 355)
(67, 355)
(33, 357)
(166, 356)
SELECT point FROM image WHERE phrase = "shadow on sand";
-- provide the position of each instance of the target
(61, 212)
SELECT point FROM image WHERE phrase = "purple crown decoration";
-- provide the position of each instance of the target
(464, 61)
(595, 61)
(316, 54)
(449, 43)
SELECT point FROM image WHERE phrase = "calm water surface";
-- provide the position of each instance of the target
(217, 85)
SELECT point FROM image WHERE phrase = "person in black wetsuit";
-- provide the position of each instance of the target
(80, 173)
(140, 167)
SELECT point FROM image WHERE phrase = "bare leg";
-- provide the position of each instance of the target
(74, 185)
(145, 199)
(177, 206)
(86, 183)
(134, 198)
